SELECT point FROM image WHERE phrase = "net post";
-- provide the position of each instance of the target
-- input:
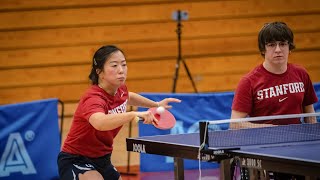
(203, 130)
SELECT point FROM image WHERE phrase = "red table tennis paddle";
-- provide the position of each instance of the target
(165, 119)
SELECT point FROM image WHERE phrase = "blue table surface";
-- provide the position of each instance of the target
(300, 142)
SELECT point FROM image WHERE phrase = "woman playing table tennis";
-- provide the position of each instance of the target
(275, 87)
(101, 112)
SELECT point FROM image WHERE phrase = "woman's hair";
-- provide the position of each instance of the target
(99, 59)
(275, 31)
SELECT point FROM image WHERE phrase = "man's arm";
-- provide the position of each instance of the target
(236, 115)
(241, 125)
(309, 109)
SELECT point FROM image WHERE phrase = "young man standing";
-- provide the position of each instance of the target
(275, 87)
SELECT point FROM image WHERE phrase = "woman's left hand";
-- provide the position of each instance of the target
(165, 102)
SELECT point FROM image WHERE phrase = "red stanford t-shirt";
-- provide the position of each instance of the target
(261, 93)
(83, 139)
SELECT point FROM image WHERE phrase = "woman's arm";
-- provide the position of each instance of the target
(104, 122)
(138, 100)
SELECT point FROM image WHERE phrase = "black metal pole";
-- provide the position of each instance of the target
(61, 118)
(128, 152)
(203, 131)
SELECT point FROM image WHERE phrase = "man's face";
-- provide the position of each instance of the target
(277, 52)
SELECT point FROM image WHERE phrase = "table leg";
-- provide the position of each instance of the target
(178, 168)
(225, 172)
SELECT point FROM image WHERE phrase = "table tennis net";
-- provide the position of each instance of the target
(264, 136)
(235, 138)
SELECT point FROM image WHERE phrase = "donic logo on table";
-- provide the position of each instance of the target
(15, 157)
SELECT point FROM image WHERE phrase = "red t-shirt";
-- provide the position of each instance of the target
(83, 139)
(261, 93)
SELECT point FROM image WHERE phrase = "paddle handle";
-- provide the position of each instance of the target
(137, 119)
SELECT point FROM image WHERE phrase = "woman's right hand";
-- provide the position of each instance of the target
(147, 116)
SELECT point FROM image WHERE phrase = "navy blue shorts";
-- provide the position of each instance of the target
(71, 165)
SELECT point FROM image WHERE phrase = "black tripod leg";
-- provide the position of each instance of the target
(178, 31)
(189, 75)
(175, 77)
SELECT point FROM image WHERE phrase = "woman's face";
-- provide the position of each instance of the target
(114, 71)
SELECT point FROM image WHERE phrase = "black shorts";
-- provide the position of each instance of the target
(70, 166)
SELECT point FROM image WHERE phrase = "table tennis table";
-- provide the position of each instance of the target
(286, 148)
